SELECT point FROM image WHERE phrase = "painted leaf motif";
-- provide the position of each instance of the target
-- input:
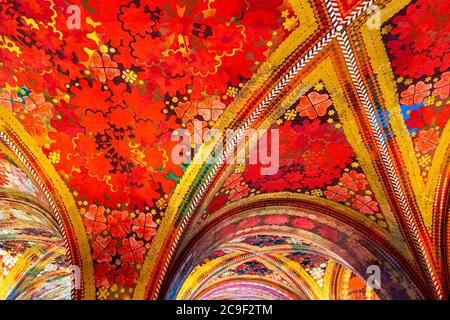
(104, 248)
(103, 68)
(186, 111)
(211, 108)
(94, 220)
(337, 193)
(132, 250)
(415, 94)
(365, 204)
(119, 223)
(144, 226)
(426, 141)
(313, 105)
(354, 180)
(442, 87)
(126, 276)
(104, 275)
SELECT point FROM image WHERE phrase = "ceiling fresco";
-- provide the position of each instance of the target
(137, 139)
(310, 130)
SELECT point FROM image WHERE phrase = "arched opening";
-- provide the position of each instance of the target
(34, 259)
(289, 244)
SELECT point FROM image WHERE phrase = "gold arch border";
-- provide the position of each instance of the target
(424, 193)
(27, 154)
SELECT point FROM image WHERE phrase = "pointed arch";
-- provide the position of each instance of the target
(21, 147)
(324, 227)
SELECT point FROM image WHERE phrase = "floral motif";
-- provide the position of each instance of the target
(354, 180)
(144, 226)
(238, 189)
(211, 108)
(102, 67)
(119, 223)
(132, 250)
(304, 160)
(442, 87)
(186, 111)
(422, 117)
(313, 105)
(415, 93)
(104, 248)
(365, 204)
(265, 240)
(303, 223)
(104, 275)
(94, 220)
(126, 275)
(253, 267)
(337, 193)
(275, 219)
(427, 140)
(421, 43)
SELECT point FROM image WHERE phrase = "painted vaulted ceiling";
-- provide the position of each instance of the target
(94, 204)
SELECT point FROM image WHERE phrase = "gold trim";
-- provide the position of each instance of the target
(328, 277)
(11, 126)
(311, 285)
(327, 73)
(424, 193)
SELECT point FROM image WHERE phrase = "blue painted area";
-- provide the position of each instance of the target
(383, 115)
(23, 92)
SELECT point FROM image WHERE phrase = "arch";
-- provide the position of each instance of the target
(230, 288)
(34, 260)
(54, 198)
(291, 282)
(323, 227)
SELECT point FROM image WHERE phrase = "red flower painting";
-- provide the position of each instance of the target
(422, 41)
